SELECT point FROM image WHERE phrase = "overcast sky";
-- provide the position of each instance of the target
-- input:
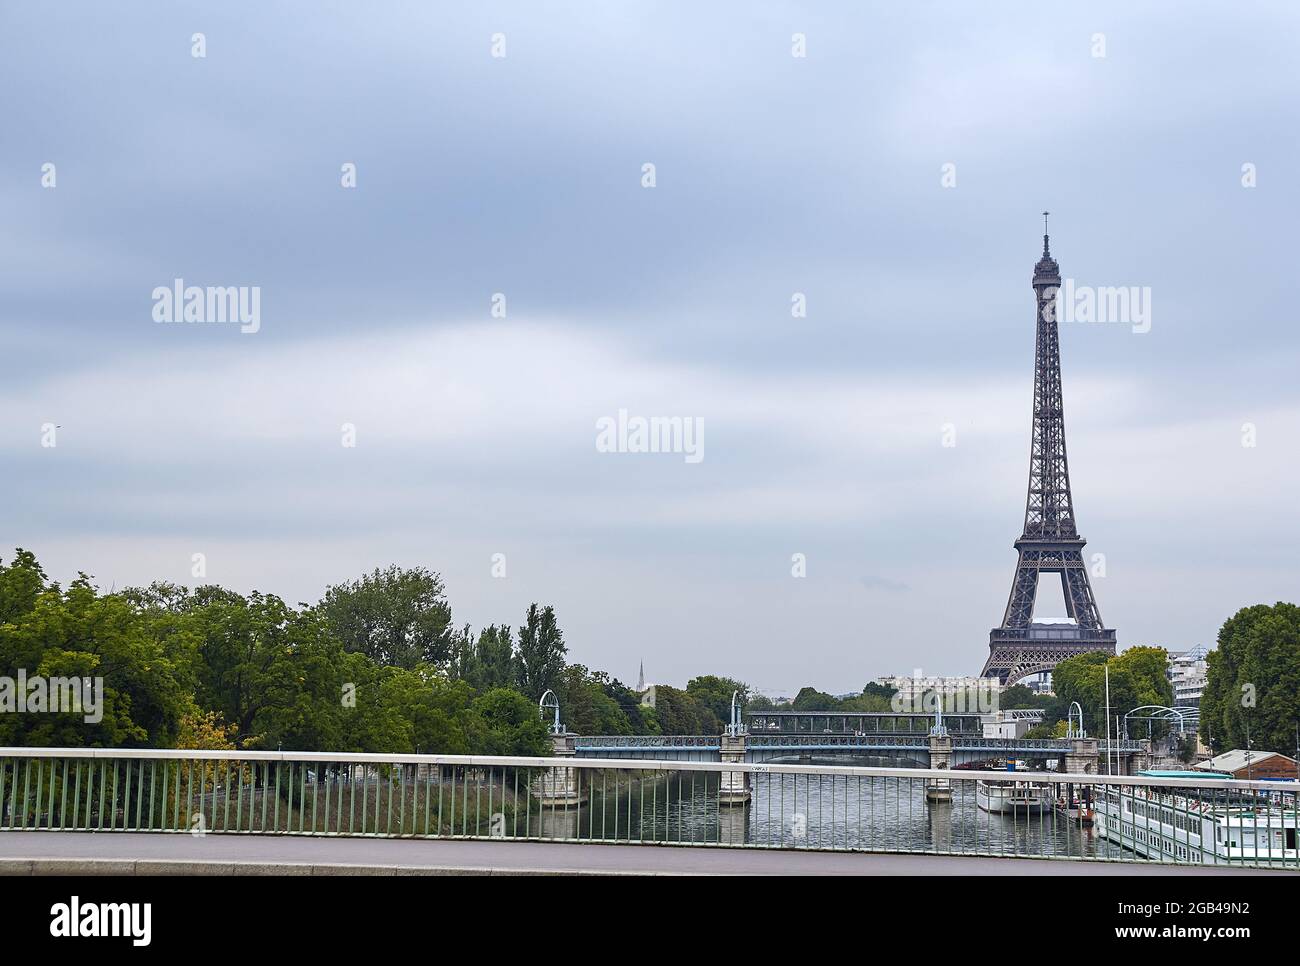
(774, 174)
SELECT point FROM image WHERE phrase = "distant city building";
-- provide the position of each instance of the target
(919, 694)
(1011, 724)
(1039, 684)
(1186, 672)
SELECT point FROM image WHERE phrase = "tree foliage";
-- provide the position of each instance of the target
(715, 693)
(393, 616)
(1137, 678)
(51, 632)
(540, 658)
(1253, 680)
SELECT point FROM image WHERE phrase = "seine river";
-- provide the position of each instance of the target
(811, 811)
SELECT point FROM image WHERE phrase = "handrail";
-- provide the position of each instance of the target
(876, 740)
(634, 764)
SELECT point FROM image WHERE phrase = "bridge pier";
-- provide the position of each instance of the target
(734, 787)
(1138, 761)
(1082, 757)
(559, 785)
(939, 789)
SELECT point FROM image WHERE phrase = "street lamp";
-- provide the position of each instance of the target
(1069, 721)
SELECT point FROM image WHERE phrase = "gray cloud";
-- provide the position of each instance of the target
(775, 175)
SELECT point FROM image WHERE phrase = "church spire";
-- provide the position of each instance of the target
(640, 678)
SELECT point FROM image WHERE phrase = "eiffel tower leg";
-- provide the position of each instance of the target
(1079, 602)
(1068, 593)
(1024, 588)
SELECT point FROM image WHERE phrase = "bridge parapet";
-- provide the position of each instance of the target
(839, 741)
(939, 789)
(964, 746)
(559, 784)
(647, 741)
(734, 785)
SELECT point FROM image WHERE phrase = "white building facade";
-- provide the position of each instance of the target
(1187, 672)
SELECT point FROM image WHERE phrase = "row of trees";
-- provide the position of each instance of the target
(375, 666)
(210, 667)
(874, 697)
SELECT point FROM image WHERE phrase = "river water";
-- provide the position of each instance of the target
(817, 812)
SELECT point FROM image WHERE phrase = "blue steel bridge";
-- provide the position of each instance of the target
(914, 749)
(788, 736)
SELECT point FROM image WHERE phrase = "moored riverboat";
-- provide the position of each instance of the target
(1204, 826)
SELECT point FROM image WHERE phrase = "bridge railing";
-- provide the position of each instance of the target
(647, 741)
(768, 740)
(838, 741)
(1049, 744)
(1028, 814)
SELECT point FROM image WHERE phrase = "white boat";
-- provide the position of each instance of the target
(1213, 828)
(1012, 797)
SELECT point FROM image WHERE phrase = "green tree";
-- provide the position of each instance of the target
(461, 661)
(587, 704)
(1082, 678)
(715, 694)
(1253, 680)
(1018, 697)
(393, 616)
(810, 699)
(507, 723)
(678, 713)
(874, 697)
(1137, 678)
(21, 582)
(1047, 730)
(273, 671)
(441, 722)
(541, 652)
(494, 658)
(761, 702)
(77, 633)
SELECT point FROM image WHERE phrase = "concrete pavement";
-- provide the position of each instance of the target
(125, 853)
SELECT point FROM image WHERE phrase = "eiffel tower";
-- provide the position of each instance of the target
(1050, 542)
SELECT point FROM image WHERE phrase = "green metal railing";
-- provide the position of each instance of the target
(1042, 814)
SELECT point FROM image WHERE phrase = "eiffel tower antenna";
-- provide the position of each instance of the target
(1050, 541)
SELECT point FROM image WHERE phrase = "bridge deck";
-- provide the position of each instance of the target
(81, 853)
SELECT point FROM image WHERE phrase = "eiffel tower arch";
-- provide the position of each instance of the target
(1050, 542)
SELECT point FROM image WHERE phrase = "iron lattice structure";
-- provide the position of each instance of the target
(1050, 542)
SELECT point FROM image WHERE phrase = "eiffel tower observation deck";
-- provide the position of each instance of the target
(1050, 542)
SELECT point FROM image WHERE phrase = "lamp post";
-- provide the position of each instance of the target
(1069, 721)
(550, 702)
(1106, 669)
